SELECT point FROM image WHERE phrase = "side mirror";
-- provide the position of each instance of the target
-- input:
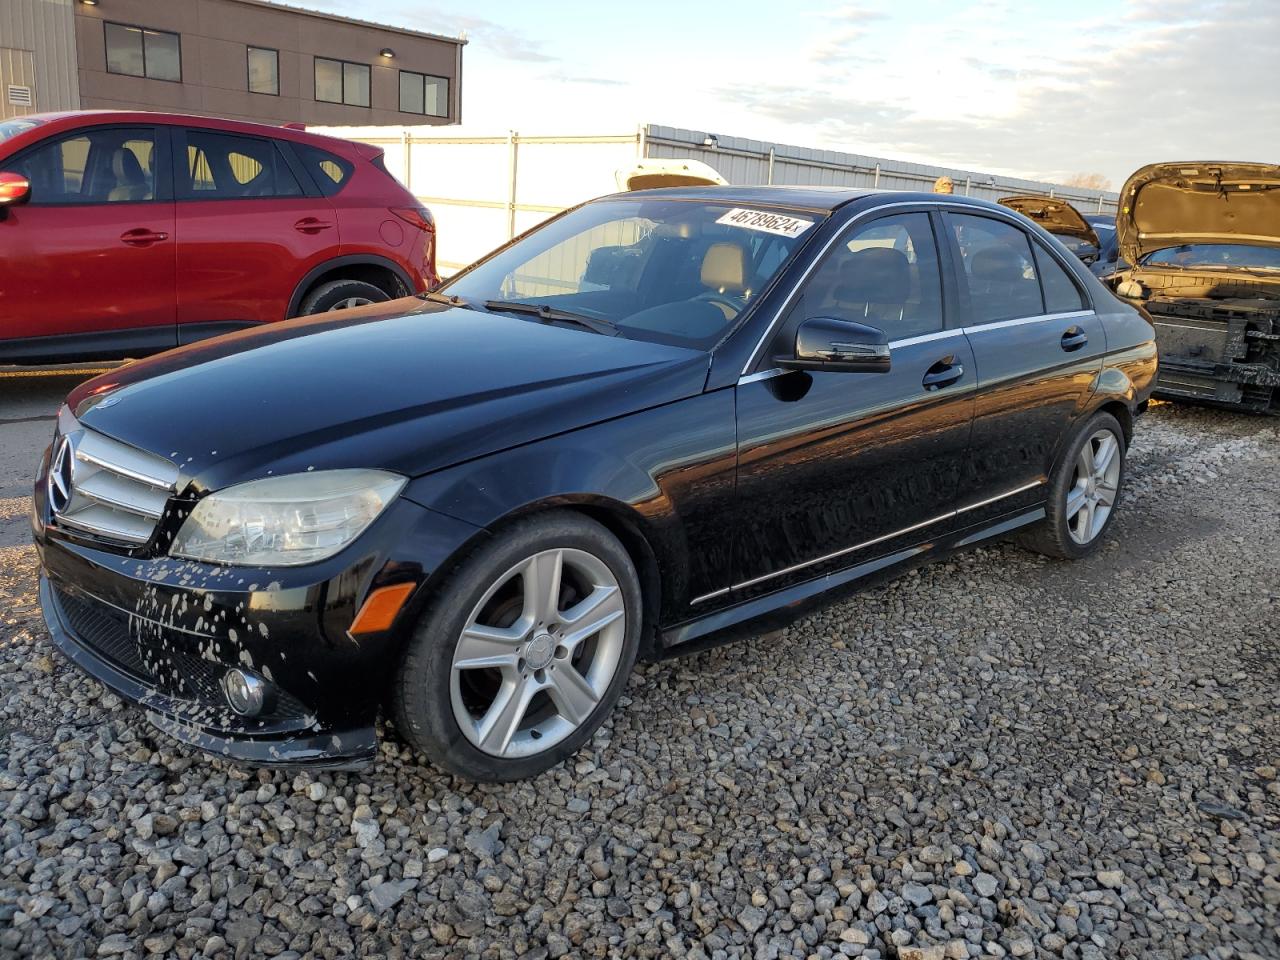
(825, 343)
(14, 189)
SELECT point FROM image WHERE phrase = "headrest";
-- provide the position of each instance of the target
(724, 268)
(997, 263)
(125, 166)
(876, 275)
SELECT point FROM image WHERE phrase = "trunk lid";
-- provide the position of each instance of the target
(1057, 216)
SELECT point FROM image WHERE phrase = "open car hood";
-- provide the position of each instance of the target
(1057, 216)
(1168, 204)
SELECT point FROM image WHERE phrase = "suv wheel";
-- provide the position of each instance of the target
(339, 295)
(525, 652)
(1084, 492)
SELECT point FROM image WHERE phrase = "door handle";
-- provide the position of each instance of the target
(1074, 339)
(312, 225)
(142, 237)
(942, 374)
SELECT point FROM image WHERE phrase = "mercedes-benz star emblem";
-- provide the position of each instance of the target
(60, 475)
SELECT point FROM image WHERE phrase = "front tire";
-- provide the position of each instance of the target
(524, 652)
(1084, 492)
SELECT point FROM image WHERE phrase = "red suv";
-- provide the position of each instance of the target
(123, 234)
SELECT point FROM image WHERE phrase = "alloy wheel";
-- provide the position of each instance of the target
(1095, 485)
(538, 653)
(350, 302)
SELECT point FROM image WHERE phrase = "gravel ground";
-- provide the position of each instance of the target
(998, 755)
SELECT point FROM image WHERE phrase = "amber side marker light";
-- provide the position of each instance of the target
(380, 608)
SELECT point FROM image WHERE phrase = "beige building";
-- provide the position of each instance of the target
(244, 59)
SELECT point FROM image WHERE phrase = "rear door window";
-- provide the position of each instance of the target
(998, 268)
(1061, 295)
(222, 166)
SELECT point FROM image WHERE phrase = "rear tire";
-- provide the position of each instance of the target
(505, 659)
(1084, 492)
(339, 295)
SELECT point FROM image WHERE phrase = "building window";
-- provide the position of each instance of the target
(338, 81)
(420, 93)
(264, 71)
(138, 52)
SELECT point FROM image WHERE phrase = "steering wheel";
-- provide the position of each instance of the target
(733, 304)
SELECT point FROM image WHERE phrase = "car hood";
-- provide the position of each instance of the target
(1168, 204)
(410, 392)
(1056, 216)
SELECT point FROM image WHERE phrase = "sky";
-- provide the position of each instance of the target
(1041, 89)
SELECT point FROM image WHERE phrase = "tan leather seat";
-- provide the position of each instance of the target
(131, 182)
(724, 271)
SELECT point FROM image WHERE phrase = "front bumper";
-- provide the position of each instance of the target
(162, 633)
(192, 720)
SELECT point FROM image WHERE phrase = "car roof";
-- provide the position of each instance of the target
(813, 199)
(72, 118)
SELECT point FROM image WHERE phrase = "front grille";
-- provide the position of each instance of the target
(106, 488)
(144, 650)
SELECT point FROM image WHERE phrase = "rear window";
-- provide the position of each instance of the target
(330, 172)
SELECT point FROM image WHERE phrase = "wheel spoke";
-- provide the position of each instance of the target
(571, 693)
(542, 585)
(484, 646)
(591, 615)
(1106, 494)
(1086, 519)
(503, 717)
(1077, 498)
(1107, 448)
(1086, 460)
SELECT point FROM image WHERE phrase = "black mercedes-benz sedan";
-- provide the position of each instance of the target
(638, 429)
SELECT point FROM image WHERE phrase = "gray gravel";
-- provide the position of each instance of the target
(995, 756)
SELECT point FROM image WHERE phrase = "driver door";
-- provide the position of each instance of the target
(87, 265)
(836, 468)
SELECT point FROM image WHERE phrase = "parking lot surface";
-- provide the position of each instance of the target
(997, 755)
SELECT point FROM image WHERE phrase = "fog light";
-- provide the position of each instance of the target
(245, 693)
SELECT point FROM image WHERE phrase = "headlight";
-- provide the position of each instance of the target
(285, 521)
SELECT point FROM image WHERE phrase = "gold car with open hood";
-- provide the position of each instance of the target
(1204, 241)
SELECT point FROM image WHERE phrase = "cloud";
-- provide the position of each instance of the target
(502, 41)
(1175, 80)
(844, 28)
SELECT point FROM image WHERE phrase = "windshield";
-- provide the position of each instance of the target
(11, 128)
(1222, 255)
(670, 271)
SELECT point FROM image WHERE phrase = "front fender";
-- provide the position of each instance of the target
(667, 471)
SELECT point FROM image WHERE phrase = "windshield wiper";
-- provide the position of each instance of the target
(549, 314)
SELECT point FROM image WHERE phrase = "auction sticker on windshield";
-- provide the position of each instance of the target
(779, 223)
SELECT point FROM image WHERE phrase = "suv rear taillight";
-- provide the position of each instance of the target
(419, 217)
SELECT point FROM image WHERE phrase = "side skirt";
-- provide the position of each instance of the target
(783, 606)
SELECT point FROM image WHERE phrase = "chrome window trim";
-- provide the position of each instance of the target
(949, 515)
(997, 214)
(1020, 321)
(945, 334)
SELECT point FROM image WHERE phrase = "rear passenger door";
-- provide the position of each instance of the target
(1038, 347)
(251, 223)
